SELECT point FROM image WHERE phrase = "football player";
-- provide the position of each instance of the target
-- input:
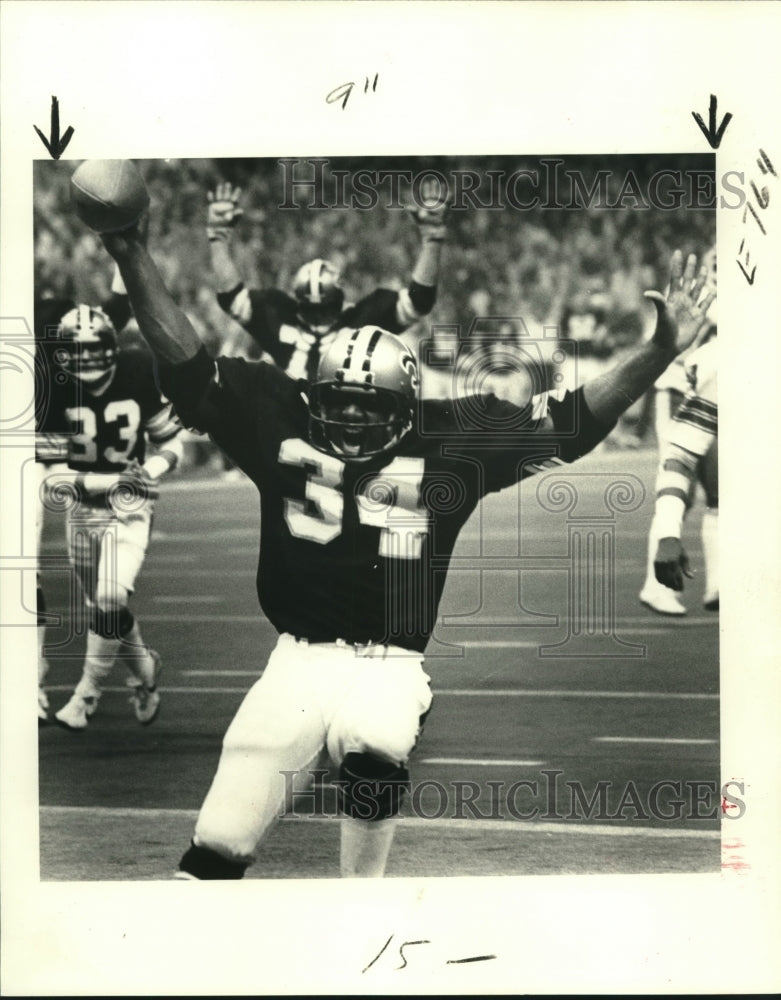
(691, 448)
(295, 330)
(115, 408)
(361, 506)
(53, 391)
(669, 393)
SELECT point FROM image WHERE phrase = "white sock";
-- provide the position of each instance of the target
(365, 847)
(710, 550)
(98, 661)
(134, 653)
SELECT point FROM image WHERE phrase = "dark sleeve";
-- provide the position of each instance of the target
(394, 311)
(51, 396)
(422, 297)
(118, 310)
(575, 428)
(379, 308)
(189, 387)
(261, 313)
(221, 399)
(521, 442)
(160, 420)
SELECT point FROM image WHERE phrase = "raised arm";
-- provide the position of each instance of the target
(680, 318)
(431, 220)
(223, 213)
(162, 323)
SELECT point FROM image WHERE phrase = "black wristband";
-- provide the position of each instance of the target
(422, 297)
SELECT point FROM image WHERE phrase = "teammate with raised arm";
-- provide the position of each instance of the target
(361, 506)
(114, 407)
(295, 330)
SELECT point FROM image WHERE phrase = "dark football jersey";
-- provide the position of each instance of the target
(271, 318)
(360, 550)
(54, 391)
(107, 431)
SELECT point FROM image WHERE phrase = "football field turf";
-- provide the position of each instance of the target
(558, 742)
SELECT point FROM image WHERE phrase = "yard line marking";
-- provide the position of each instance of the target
(184, 599)
(498, 643)
(652, 629)
(481, 763)
(453, 692)
(416, 822)
(554, 693)
(221, 535)
(198, 574)
(219, 673)
(162, 690)
(647, 739)
(198, 485)
(668, 619)
(452, 621)
(226, 619)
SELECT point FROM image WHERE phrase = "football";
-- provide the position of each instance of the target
(108, 195)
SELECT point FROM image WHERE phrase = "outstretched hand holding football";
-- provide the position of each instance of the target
(681, 313)
(109, 195)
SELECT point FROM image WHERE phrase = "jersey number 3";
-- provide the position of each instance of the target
(389, 500)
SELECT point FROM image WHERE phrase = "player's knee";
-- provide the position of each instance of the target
(109, 615)
(371, 788)
(111, 596)
(205, 863)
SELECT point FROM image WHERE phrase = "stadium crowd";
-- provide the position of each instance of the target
(582, 271)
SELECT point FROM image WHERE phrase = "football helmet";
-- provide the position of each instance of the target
(87, 347)
(362, 400)
(318, 293)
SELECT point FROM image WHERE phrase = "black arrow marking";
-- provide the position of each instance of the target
(54, 143)
(712, 134)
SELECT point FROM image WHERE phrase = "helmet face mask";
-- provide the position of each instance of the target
(355, 423)
(361, 403)
(320, 317)
(318, 294)
(88, 346)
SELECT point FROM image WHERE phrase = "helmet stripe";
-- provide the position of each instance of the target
(315, 272)
(375, 337)
(351, 348)
(83, 320)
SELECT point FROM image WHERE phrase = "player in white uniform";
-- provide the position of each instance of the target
(115, 408)
(670, 392)
(692, 436)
